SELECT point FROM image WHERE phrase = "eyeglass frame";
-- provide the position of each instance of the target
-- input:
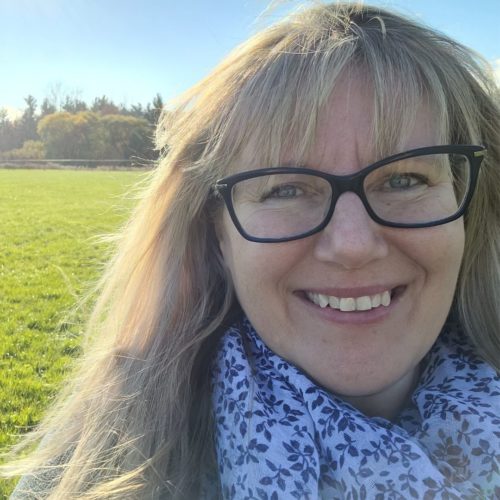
(341, 184)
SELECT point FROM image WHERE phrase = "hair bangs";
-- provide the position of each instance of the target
(276, 112)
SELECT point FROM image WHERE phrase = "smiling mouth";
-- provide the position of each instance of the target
(350, 304)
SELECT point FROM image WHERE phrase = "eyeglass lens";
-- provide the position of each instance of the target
(420, 189)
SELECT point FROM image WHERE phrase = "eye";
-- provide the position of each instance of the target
(283, 192)
(405, 181)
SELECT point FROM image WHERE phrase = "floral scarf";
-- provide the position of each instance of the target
(279, 435)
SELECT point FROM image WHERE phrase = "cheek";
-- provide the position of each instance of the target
(438, 252)
(447, 247)
(243, 258)
(254, 267)
(259, 271)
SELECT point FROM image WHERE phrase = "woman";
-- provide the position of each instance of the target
(323, 331)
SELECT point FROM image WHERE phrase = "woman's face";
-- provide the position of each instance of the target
(359, 354)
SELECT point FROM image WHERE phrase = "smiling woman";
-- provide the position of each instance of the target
(304, 305)
(413, 273)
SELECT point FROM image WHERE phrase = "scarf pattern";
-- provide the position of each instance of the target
(280, 435)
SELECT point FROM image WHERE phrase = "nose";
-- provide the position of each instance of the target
(351, 238)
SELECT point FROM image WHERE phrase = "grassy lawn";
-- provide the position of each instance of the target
(48, 257)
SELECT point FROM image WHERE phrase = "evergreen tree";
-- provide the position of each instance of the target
(153, 110)
(29, 120)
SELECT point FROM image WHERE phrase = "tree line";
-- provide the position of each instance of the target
(69, 128)
(74, 129)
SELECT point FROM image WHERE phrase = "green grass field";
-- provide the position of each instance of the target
(49, 254)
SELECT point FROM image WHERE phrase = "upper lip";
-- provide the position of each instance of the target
(354, 292)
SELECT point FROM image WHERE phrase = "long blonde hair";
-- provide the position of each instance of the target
(136, 421)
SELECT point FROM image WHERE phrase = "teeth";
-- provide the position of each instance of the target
(322, 300)
(348, 304)
(363, 304)
(334, 302)
(376, 300)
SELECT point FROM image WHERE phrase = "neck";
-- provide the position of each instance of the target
(389, 402)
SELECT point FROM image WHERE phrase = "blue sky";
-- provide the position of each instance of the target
(130, 50)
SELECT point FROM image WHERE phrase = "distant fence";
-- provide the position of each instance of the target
(93, 164)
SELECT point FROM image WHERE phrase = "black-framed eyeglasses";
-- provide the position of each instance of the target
(422, 187)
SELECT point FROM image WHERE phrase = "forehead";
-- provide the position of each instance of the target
(351, 128)
(346, 136)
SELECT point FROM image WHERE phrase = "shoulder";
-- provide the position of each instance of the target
(39, 484)
(31, 487)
